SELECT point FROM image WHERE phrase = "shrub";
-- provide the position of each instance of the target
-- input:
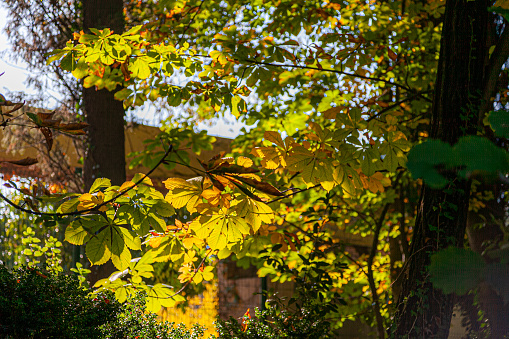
(134, 322)
(275, 324)
(38, 304)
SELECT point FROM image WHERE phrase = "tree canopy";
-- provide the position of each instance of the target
(380, 119)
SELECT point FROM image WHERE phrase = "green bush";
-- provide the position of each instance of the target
(38, 304)
(134, 322)
(275, 324)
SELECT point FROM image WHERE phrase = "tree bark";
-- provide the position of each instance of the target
(423, 311)
(105, 155)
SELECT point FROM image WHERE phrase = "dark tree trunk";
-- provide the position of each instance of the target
(105, 156)
(425, 312)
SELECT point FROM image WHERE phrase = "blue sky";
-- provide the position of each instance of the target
(16, 73)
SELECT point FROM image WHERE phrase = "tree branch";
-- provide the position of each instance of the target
(498, 58)
(371, 279)
(95, 208)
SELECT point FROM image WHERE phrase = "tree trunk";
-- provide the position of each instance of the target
(425, 312)
(105, 156)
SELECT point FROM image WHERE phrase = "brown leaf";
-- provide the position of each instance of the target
(23, 162)
(76, 132)
(15, 108)
(215, 160)
(48, 135)
(217, 184)
(73, 126)
(125, 71)
(392, 55)
(261, 186)
(45, 116)
(232, 168)
(50, 123)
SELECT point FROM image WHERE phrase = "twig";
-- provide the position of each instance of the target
(371, 279)
(121, 193)
(293, 193)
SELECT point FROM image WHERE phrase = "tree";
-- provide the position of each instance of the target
(338, 111)
(442, 214)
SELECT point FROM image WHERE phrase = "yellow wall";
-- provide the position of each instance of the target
(202, 309)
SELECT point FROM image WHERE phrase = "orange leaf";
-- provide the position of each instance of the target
(244, 322)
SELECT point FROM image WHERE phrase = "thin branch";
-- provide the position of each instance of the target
(371, 279)
(354, 75)
(95, 208)
(396, 104)
(189, 281)
(190, 22)
(293, 193)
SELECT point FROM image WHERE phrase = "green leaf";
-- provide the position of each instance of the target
(123, 94)
(480, 154)
(456, 270)
(122, 260)
(131, 239)
(97, 248)
(75, 233)
(499, 121)
(100, 183)
(423, 158)
(68, 206)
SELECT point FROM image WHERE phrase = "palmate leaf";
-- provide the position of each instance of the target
(254, 212)
(314, 168)
(220, 229)
(122, 260)
(75, 233)
(183, 193)
(456, 270)
(97, 249)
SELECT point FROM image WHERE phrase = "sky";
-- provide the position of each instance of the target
(15, 74)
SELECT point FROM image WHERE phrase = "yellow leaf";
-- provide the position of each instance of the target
(126, 185)
(271, 157)
(183, 193)
(244, 162)
(154, 242)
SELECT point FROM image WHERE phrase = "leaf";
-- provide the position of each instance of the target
(261, 186)
(75, 233)
(73, 126)
(97, 248)
(254, 212)
(122, 260)
(14, 109)
(131, 239)
(423, 158)
(456, 270)
(100, 183)
(183, 193)
(23, 162)
(140, 68)
(68, 206)
(480, 154)
(499, 121)
(48, 135)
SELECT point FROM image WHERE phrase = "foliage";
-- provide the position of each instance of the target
(135, 322)
(338, 96)
(275, 323)
(40, 304)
